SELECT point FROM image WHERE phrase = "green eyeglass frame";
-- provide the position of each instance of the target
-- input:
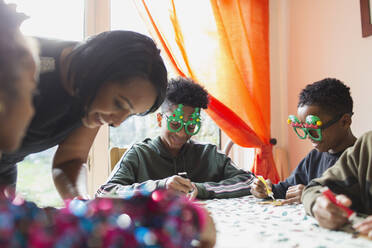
(176, 122)
(312, 127)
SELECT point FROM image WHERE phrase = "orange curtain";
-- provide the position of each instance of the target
(222, 45)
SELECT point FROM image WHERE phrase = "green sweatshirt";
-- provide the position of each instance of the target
(147, 165)
(351, 175)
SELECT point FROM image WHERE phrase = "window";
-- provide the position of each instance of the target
(38, 189)
(124, 16)
(46, 19)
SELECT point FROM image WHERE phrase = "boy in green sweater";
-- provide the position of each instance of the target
(351, 180)
(172, 160)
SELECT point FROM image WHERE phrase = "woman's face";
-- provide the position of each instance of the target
(116, 101)
(18, 109)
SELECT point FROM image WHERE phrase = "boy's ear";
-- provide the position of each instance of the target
(346, 120)
(159, 118)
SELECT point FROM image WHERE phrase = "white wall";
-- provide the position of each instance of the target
(311, 40)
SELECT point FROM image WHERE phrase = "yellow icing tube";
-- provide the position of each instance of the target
(268, 190)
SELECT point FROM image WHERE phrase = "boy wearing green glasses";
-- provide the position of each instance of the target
(172, 160)
(324, 117)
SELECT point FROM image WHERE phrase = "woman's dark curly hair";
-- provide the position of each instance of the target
(184, 91)
(330, 94)
(116, 56)
(11, 49)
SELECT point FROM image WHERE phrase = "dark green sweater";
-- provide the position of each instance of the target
(351, 175)
(148, 164)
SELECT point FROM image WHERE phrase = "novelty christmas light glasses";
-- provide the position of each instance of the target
(312, 127)
(176, 121)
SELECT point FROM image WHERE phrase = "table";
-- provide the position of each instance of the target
(242, 222)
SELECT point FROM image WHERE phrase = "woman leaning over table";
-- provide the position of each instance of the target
(82, 86)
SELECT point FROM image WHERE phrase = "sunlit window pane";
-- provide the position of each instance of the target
(35, 181)
(58, 19)
(124, 16)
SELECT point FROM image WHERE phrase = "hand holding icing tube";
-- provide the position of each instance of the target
(351, 215)
(331, 196)
(268, 190)
(184, 175)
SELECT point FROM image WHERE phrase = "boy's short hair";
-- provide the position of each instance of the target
(330, 94)
(185, 91)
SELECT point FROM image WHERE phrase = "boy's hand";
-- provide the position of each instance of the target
(365, 227)
(293, 194)
(178, 183)
(258, 188)
(330, 215)
(194, 193)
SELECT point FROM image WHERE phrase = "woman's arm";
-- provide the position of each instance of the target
(71, 154)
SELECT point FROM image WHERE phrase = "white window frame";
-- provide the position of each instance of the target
(97, 20)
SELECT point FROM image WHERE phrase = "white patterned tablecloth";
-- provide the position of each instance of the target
(242, 222)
